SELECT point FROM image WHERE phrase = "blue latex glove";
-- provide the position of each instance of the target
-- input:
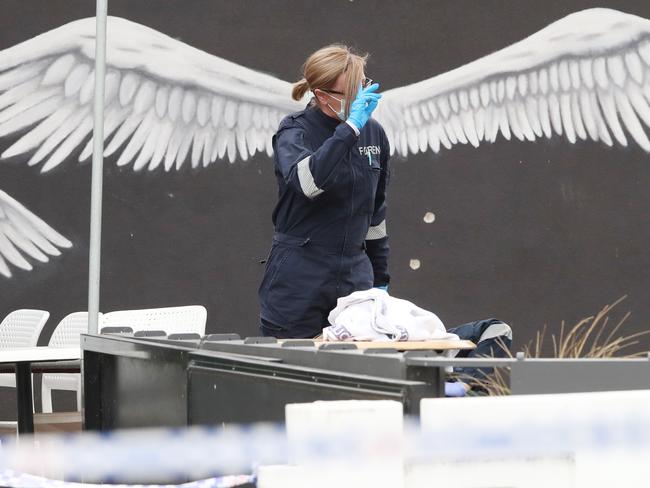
(363, 105)
(382, 287)
(455, 389)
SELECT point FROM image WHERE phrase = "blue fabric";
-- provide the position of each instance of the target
(472, 331)
(455, 389)
(319, 251)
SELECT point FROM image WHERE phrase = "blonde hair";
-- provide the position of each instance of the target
(323, 67)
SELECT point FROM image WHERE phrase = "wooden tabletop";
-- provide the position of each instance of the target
(438, 345)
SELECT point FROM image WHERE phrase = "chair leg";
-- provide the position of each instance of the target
(33, 396)
(46, 398)
(79, 395)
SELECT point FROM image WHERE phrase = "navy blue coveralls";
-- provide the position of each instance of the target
(330, 220)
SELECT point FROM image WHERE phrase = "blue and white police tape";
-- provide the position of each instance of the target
(166, 454)
(196, 452)
(16, 479)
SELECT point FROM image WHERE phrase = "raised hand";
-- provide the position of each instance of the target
(363, 105)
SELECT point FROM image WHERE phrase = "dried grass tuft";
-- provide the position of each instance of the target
(591, 337)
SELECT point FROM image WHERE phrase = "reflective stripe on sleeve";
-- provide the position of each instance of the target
(307, 183)
(377, 231)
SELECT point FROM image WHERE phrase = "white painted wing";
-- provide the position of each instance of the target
(584, 76)
(165, 100)
(23, 235)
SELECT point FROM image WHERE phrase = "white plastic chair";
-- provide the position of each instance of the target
(173, 320)
(21, 328)
(66, 334)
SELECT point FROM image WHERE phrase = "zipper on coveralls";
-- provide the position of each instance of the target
(347, 223)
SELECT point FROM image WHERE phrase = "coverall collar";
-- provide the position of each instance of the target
(323, 118)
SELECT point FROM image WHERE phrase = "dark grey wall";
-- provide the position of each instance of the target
(532, 233)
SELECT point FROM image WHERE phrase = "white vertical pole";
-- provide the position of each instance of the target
(97, 168)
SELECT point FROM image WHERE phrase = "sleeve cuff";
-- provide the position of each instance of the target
(354, 127)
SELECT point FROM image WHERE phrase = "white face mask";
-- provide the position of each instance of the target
(340, 113)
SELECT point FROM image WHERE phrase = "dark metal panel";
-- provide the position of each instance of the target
(234, 395)
(148, 393)
(570, 376)
(91, 393)
(130, 382)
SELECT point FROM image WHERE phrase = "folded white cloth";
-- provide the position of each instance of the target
(373, 315)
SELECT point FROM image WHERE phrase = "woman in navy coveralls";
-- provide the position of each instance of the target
(331, 164)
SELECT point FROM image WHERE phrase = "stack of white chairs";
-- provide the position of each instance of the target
(21, 328)
(172, 320)
(66, 334)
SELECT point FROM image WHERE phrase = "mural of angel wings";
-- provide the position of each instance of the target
(586, 76)
(24, 234)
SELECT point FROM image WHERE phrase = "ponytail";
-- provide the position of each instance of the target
(299, 89)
